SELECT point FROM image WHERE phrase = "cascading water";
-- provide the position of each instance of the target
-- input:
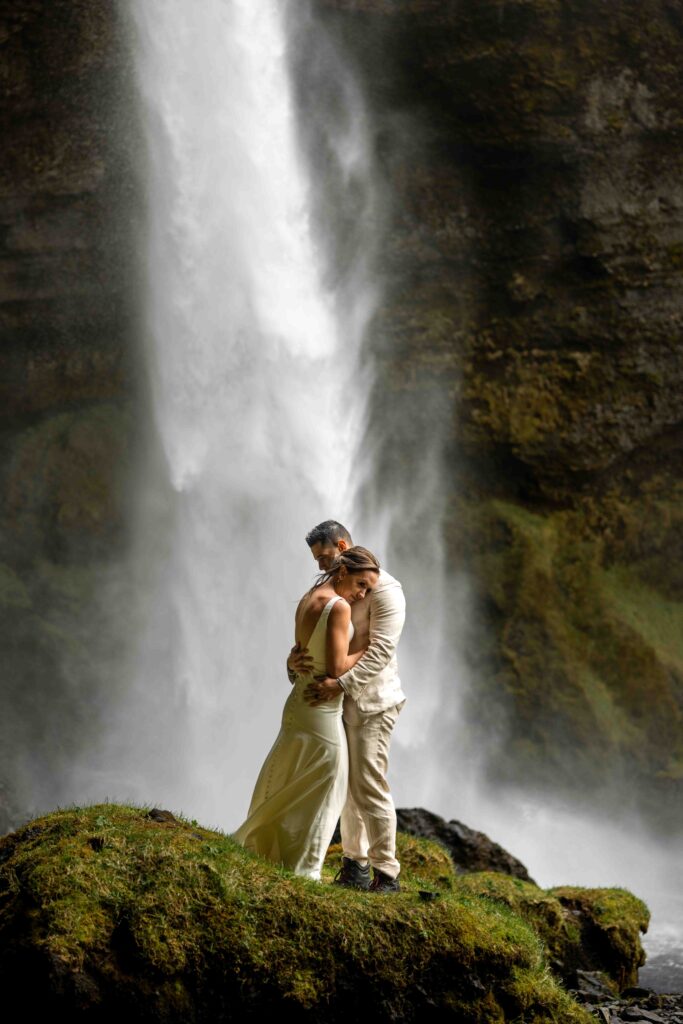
(258, 407)
(255, 327)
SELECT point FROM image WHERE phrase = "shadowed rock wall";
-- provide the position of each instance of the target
(533, 269)
(66, 267)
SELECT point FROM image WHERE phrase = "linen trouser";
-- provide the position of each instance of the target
(368, 820)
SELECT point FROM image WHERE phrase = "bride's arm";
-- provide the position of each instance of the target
(337, 657)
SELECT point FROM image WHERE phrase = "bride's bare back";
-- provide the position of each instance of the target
(308, 612)
(311, 605)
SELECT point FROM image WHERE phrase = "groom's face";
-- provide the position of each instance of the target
(325, 553)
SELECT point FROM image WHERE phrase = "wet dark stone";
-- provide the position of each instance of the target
(470, 850)
(158, 815)
(637, 1013)
(630, 1008)
(589, 985)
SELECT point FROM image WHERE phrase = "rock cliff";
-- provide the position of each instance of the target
(67, 209)
(533, 267)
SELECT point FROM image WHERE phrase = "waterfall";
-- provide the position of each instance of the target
(253, 349)
(264, 216)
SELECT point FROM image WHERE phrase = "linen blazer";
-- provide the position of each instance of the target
(373, 683)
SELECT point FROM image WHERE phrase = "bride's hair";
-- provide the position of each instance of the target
(356, 560)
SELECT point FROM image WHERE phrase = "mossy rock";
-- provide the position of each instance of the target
(581, 929)
(611, 921)
(107, 912)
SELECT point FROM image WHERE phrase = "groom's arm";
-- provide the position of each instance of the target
(387, 615)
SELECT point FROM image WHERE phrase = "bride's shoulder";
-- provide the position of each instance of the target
(340, 610)
(310, 604)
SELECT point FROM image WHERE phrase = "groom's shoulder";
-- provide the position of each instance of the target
(386, 581)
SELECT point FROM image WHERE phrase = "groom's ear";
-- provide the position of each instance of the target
(342, 545)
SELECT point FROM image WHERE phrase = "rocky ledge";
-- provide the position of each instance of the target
(634, 1006)
(113, 910)
(470, 850)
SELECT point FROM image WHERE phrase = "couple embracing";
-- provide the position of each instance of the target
(330, 756)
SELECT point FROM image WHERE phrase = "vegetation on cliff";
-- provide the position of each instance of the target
(106, 910)
(590, 651)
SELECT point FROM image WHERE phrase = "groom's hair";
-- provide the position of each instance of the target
(328, 532)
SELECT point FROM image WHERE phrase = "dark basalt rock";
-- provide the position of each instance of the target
(159, 815)
(644, 1008)
(470, 850)
(589, 986)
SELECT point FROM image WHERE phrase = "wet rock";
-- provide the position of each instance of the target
(156, 814)
(638, 1004)
(470, 850)
(636, 1014)
(590, 986)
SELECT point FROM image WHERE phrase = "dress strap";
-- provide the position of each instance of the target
(325, 613)
(323, 617)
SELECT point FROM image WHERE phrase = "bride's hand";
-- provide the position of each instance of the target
(299, 662)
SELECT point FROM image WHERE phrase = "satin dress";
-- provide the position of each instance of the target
(301, 788)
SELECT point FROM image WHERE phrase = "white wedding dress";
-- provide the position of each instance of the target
(301, 787)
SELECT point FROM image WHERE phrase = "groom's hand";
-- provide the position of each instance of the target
(322, 689)
(299, 662)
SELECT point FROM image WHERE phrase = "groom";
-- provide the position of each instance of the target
(372, 702)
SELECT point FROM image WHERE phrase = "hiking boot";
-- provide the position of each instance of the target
(384, 883)
(353, 875)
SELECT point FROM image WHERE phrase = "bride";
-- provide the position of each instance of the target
(301, 787)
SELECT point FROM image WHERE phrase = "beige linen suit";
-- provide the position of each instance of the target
(372, 702)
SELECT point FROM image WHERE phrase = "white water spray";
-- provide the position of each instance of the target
(252, 352)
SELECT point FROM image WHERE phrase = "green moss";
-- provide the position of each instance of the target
(170, 920)
(590, 650)
(658, 621)
(613, 920)
(13, 593)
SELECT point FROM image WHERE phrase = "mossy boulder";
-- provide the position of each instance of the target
(581, 929)
(108, 912)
